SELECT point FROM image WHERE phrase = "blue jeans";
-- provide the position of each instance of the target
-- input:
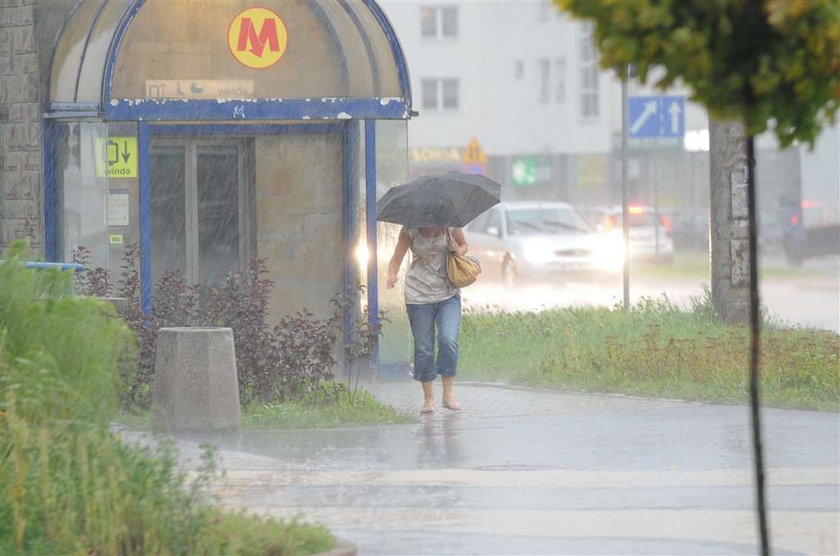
(424, 318)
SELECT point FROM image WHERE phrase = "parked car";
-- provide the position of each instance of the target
(691, 230)
(811, 229)
(530, 240)
(649, 239)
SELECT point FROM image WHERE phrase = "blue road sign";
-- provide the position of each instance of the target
(656, 116)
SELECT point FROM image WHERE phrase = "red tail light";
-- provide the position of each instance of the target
(794, 219)
(666, 224)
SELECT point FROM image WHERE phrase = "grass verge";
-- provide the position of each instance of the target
(333, 407)
(653, 350)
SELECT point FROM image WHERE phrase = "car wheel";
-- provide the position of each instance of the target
(509, 275)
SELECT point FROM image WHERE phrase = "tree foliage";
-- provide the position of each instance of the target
(755, 60)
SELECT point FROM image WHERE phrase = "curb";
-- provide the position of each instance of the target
(341, 548)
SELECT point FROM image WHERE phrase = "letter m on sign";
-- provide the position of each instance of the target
(267, 34)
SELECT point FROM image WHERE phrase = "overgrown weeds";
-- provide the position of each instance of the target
(67, 485)
(654, 349)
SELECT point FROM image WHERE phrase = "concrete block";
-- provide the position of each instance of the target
(196, 385)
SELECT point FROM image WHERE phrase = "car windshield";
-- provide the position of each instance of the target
(546, 221)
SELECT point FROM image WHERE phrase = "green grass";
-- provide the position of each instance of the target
(653, 350)
(67, 486)
(334, 407)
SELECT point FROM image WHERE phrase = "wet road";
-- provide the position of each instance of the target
(525, 471)
(812, 301)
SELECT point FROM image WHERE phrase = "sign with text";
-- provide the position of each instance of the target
(116, 157)
(199, 88)
(656, 116)
(118, 208)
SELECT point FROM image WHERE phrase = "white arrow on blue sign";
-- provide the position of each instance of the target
(656, 116)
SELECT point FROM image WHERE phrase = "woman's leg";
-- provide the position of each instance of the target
(421, 319)
(448, 320)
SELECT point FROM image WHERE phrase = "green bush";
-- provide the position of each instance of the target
(67, 486)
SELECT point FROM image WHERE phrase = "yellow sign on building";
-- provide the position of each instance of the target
(116, 157)
(473, 154)
(257, 38)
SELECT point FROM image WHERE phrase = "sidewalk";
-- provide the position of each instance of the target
(523, 471)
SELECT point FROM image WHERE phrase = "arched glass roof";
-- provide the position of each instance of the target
(112, 51)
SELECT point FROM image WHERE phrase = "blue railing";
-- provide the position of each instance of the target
(60, 266)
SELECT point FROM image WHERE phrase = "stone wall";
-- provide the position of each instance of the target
(28, 30)
(20, 125)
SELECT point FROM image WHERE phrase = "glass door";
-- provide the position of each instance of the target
(199, 208)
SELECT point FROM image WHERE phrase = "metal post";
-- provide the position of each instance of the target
(755, 351)
(625, 224)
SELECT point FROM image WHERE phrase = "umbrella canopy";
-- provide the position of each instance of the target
(452, 199)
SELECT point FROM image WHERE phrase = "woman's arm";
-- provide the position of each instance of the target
(460, 241)
(403, 243)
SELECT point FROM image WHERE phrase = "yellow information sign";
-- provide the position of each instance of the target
(474, 154)
(257, 38)
(116, 157)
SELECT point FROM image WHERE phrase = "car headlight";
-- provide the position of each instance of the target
(609, 252)
(536, 252)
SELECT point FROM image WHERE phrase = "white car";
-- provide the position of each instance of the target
(522, 240)
(649, 240)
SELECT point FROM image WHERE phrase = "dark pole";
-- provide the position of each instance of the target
(755, 350)
(625, 224)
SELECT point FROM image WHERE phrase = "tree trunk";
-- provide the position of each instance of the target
(729, 230)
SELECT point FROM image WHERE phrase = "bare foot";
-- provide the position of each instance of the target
(452, 404)
(428, 407)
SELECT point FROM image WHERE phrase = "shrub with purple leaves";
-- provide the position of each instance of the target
(289, 361)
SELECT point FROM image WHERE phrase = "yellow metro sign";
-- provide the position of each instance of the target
(257, 38)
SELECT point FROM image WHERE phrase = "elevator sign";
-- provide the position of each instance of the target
(257, 38)
(116, 157)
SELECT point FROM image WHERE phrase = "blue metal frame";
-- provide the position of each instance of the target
(75, 267)
(247, 130)
(331, 108)
(370, 227)
(114, 49)
(48, 128)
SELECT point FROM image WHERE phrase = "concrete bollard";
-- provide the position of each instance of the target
(196, 385)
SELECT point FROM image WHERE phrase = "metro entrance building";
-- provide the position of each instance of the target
(210, 133)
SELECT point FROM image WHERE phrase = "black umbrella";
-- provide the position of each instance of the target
(452, 199)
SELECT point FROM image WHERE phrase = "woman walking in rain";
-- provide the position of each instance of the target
(433, 304)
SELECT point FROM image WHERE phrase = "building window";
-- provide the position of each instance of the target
(440, 94)
(518, 70)
(430, 94)
(450, 94)
(544, 66)
(439, 22)
(560, 79)
(589, 94)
